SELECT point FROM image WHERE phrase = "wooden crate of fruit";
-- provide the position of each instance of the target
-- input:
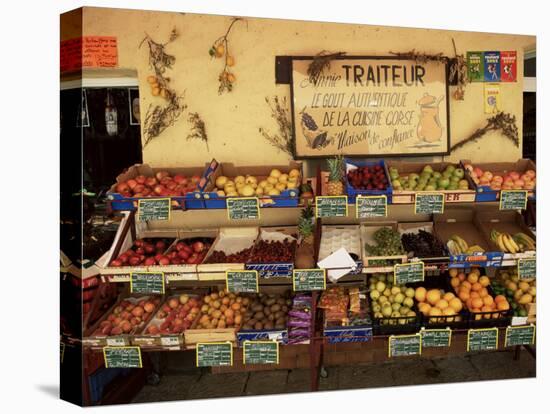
(165, 329)
(220, 316)
(231, 241)
(141, 181)
(127, 317)
(374, 263)
(410, 178)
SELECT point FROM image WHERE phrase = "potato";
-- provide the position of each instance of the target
(270, 302)
(258, 326)
(257, 308)
(279, 314)
(268, 325)
(259, 316)
(281, 301)
(280, 321)
(271, 317)
(276, 307)
(280, 326)
(266, 310)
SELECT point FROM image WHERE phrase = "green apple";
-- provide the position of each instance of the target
(452, 186)
(428, 168)
(408, 302)
(396, 183)
(459, 172)
(420, 187)
(380, 287)
(443, 183)
(399, 298)
(436, 175)
(413, 176)
(429, 187)
(374, 294)
(454, 179)
(463, 184)
(386, 310)
(450, 168)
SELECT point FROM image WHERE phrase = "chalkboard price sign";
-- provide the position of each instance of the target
(436, 338)
(331, 206)
(408, 273)
(482, 339)
(430, 203)
(241, 281)
(243, 208)
(214, 354)
(371, 206)
(309, 279)
(404, 345)
(520, 335)
(527, 268)
(153, 209)
(513, 199)
(147, 282)
(260, 352)
(122, 357)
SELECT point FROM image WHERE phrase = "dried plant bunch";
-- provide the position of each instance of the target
(220, 49)
(198, 129)
(321, 62)
(284, 140)
(503, 122)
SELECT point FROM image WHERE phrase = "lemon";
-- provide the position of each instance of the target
(221, 180)
(283, 178)
(220, 193)
(239, 179)
(259, 191)
(291, 185)
(275, 173)
(247, 191)
(274, 192)
(262, 183)
(280, 186)
(294, 173)
(272, 180)
(250, 179)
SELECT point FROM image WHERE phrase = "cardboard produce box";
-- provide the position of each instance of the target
(162, 340)
(484, 192)
(408, 196)
(287, 197)
(272, 269)
(462, 222)
(191, 200)
(505, 221)
(375, 264)
(230, 240)
(93, 339)
(347, 236)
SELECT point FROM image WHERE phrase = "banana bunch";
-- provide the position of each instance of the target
(520, 242)
(457, 245)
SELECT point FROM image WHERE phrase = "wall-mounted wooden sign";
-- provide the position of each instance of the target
(371, 106)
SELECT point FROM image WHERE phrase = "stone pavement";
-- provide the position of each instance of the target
(181, 381)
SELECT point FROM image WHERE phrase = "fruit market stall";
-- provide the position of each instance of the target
(335, 225)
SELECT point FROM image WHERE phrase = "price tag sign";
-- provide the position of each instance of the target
(243, 208)
(122, 357)
(147, 282)
(214, 354)
(513, 200)
(520, 335)
(309, 279)
(408, 273)
(430, 203)
(153, 209)
(436, 338)
(527, 268)
(371, 206)
(170, 340)
(260, 352)
(241, 281)
(482, 339)
(404, 345)
(331, 206)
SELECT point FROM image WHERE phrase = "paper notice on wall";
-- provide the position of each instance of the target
(88, 52)
(338, 264)
(491, 98)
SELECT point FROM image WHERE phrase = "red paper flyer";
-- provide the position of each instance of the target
(508, 66)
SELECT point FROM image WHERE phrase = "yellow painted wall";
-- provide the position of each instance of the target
(233, 119)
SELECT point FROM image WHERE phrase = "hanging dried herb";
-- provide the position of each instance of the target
(503, 122)
(159, 117)
(284, 140)
(458, 70)
(198, 129)
(321, 61)
(420, 57)
(220, 49)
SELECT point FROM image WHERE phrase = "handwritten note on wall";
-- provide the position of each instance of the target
(89, 52)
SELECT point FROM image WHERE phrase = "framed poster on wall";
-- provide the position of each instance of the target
(370, 106)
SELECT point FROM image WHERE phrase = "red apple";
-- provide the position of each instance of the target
(140, 179)
(151, 182)
(132, 183)
(514, 175)
(122, 188)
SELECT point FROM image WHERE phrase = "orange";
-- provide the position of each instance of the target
(469, 303)
(453, 272)
(503, 305)
(466, 285)
(472, 277)
(435, 312)
(461, 277)
(442, 304)
(484, 280)
(500, 298)
(433, 296)
(455, 281)
(486, 309)
(464, 295)
(448, 296)
(455, 304)
(476, 271)
(477, 303)
(420, 294)
(474, 295)
(488, 300)
(483, 292)
(476, 286)
(424, 307)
